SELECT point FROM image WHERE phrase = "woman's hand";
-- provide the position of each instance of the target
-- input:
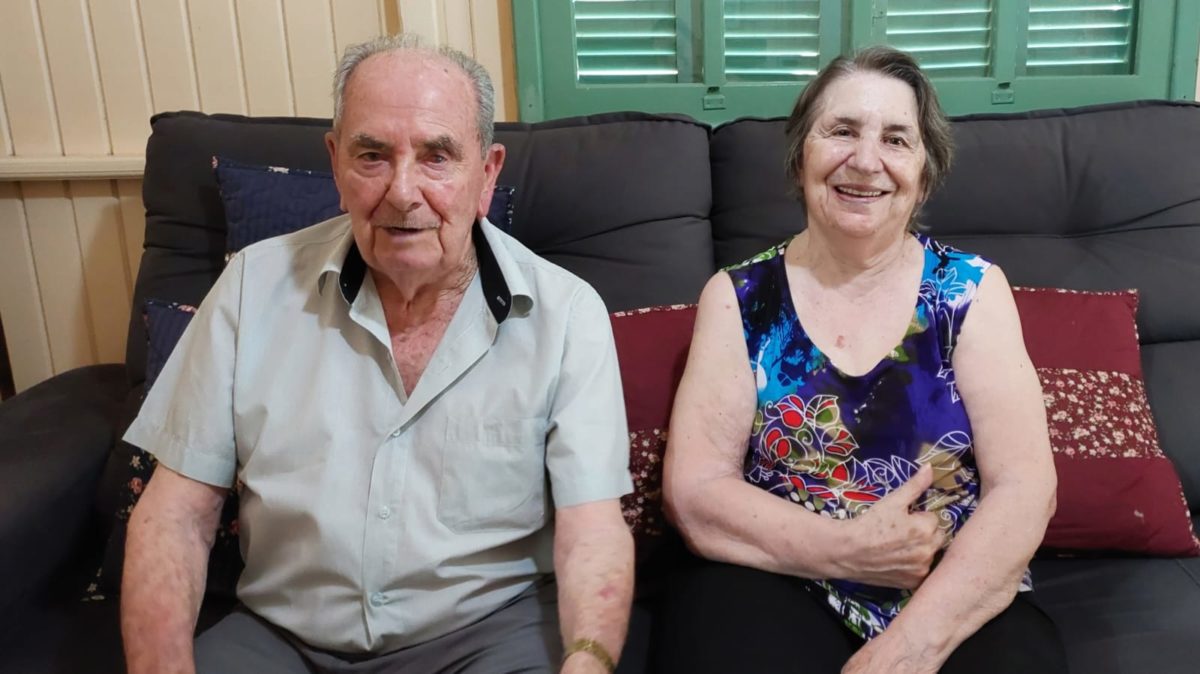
(893, 652)
(889, 545)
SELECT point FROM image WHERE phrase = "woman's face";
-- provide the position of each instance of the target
(863, 158)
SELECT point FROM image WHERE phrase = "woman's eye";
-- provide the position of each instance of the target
(896, 141)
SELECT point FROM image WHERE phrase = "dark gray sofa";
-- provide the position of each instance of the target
(646, 208)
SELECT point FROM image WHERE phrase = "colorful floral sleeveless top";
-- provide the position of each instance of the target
(835, 443)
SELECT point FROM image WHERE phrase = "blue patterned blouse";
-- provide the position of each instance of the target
(835, 443)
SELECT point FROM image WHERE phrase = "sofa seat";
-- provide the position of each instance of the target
(1124, 615)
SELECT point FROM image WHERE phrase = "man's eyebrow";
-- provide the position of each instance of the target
(445, 143)
(369, 142)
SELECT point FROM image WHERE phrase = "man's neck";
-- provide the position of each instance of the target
(408, 305)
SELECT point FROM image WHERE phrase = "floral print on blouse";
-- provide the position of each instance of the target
(835, 443)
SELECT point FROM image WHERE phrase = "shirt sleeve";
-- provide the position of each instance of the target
(587, 445)
(186, 421)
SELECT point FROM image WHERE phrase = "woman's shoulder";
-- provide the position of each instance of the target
(773, 253)
(941, 258)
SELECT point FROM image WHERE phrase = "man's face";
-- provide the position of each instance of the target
(408, 165)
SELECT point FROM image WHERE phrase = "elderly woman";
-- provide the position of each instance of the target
(858, 442)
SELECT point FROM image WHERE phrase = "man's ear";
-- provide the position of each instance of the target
(332, 146)
(493, 161)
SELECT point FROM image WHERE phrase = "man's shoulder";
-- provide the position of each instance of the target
(327, 233)
(546, 280)
(303, 248)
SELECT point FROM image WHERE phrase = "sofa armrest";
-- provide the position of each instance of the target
(54, 439)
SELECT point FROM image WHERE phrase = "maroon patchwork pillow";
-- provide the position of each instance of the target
(652, 348)
(1117, 491)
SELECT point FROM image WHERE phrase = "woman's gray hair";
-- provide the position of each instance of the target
(485, 93)
(935, 130)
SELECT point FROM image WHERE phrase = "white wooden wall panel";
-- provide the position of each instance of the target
(81, 78)
(26, 79)
(355, 21)
(165, 33)
(219, 56)
(264, 57)
(456, 25)
(124, 79)
(6, 148)
(489, 36)
(133, 226)
(75, 77)
(59, 274)
(21, 301)
(311, 55)
(98, 227)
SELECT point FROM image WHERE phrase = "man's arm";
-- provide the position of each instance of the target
(593, 560)
(171, 532)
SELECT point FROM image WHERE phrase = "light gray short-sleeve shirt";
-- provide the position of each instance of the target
(370, 520)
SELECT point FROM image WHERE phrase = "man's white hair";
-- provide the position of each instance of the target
(485, 94)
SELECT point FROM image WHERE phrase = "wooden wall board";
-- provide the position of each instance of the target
(218, 55)
(263, 40)
(124, 78)
(26, 77)
(74, 76)
(133, 227)
(311, 56)
(21, 301)
(102, 251)
(168, 42)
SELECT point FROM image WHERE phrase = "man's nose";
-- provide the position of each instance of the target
(404, 191)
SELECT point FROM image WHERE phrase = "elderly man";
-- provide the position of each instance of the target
(392, 391)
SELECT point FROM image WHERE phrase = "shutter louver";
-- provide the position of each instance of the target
(625, 41)
(771, 40)
(950, 38)
(1080, 37)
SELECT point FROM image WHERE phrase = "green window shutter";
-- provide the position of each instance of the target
(717, 60)
(630, 41)
(1080, 37)
(952, 38)
(771, 40)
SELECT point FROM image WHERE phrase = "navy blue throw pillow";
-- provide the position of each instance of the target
(165, 323)
(265, 201)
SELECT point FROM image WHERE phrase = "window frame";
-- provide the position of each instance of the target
(1166, 41)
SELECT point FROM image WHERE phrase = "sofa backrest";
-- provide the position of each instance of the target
(622, 200)
(1099, 198)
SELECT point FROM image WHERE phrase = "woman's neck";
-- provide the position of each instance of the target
(843, 262)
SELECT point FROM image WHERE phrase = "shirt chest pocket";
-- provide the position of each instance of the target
(494, 475)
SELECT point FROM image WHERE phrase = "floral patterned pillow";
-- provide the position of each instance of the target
(1117, 490)
(652, 348)
(129, 469)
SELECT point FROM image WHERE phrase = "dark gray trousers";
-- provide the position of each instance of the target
(522, 636)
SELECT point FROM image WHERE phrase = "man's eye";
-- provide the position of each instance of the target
(370, 156)
(438, 159)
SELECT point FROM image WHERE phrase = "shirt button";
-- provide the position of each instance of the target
(395, 433)
(378, 599)
(385, 512)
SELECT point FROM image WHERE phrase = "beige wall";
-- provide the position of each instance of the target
(79, 80)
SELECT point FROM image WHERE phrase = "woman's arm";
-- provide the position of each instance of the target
(724, 518)
(982, 569)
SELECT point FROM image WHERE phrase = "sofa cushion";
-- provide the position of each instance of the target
(620, 199)
(1052, 198)
(265, 201)
(652, 348)
(1116, 489)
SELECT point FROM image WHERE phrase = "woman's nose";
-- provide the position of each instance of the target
(865, 156)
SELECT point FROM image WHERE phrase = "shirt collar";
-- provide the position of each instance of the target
(504, 287)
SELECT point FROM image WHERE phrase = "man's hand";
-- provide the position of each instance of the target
(891, 546)
(893, 652)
